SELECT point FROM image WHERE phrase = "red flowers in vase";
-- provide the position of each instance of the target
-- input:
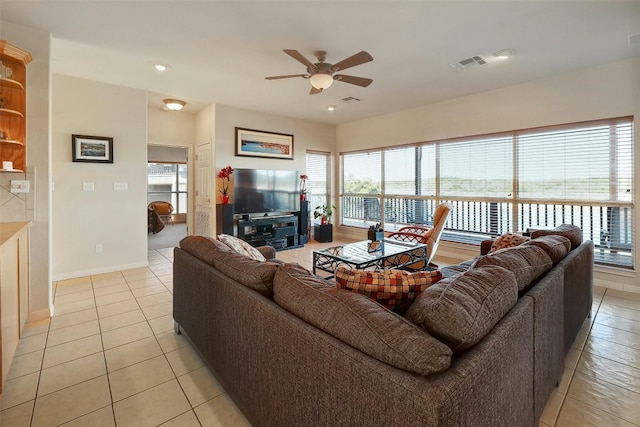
(225, 175)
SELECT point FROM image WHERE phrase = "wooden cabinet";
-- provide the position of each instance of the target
(13, 105)
(14, 289)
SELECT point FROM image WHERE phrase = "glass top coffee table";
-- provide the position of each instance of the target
(384, 254)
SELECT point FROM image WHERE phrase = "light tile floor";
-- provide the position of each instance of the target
(109, 357)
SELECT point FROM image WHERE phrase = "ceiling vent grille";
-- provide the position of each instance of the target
(469, 63)
(350, 99)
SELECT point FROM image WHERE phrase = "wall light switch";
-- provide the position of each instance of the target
(87, 186)
(120, 186)
(19, 186)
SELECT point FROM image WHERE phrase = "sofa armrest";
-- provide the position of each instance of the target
(269, 252)
(485, 246)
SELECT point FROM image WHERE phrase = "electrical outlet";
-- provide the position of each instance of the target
(87, 186)
(19, 186)
(99, 248)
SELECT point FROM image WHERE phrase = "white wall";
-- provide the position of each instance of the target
(161, 154)
(611, 90)
(83, 219)
(38, 43)
(306, 136)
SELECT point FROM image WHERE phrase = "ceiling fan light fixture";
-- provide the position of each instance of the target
(174, 104)
(321, 81)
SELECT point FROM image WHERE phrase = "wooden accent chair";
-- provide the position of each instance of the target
(163, 209)
(428, 235)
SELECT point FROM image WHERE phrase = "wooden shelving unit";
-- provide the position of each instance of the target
(13, 105)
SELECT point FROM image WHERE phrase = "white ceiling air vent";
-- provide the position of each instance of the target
(350, 99)
(469, 63)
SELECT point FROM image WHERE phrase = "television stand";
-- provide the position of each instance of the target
(280, 232)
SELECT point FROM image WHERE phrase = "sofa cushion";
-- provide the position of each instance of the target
(571, 232)
(241, 247)
(527, 263)
(556, 246)
(461, 310)
(359, 322)
(507, 240)
(253, 274)
(203, 248)
(394, 289)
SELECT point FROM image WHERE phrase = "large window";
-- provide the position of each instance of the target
(319, 182)
(168, 182)
(578, 174)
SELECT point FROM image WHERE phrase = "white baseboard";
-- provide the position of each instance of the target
(109, 269)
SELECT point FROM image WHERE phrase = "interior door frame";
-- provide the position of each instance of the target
(190, 182)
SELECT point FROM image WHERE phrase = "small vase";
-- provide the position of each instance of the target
(224, 199)
(303, 197)
(323, 221)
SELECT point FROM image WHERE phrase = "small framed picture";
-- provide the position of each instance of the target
(93, 149)
(258, 143)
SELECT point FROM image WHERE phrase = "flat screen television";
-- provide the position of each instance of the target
(265, 190)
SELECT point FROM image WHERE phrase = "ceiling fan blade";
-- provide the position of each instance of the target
(287, 76)
(352, 61)
(314, 90)
(298, 57)
(360, 81)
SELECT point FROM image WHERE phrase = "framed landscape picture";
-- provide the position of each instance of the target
(257, 143)
(93, 149)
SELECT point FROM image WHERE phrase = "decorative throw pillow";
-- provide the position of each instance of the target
(394, 289)
(461, 310)
(359, 322)
(241, 247)
(507, 240)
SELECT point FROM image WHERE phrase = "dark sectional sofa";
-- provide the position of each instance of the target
(293, 350)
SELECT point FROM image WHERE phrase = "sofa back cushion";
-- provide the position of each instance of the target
(571, 232)
(203, 248)
(556, 246)
(394, 289)
(249, 272)
(359, 322)
(527, 263)
(461, 310)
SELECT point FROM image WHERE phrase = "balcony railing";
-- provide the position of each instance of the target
(609, 227)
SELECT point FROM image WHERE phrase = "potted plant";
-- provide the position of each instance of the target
(324, 212)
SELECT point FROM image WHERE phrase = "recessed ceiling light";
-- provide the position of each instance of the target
(160, 67)
(505, 53)
(331, 107)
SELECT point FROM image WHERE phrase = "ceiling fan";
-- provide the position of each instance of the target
(322, 74)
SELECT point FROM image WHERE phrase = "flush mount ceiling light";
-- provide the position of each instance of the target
(331, 107)
(160, 66)
(321, 81)
(174, 104)
(505, 53)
